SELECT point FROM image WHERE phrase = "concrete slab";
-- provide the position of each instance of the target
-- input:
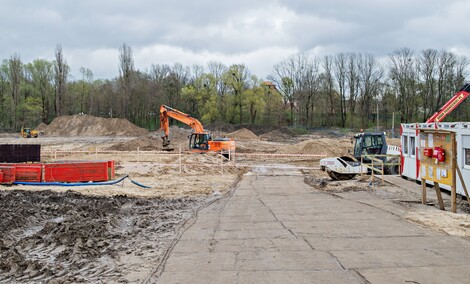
(286, 261)
(444, 274)
(386, 243)
(295, 277)
(356, 228)
(390, 258)
(276, 229)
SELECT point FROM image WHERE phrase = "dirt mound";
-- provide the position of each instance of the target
(178, 138)
(394, 141)
(243, 134)
(41, 127)
(276, 135)
(144, 143)
(327, 146)
(88, 125)
(178, 134)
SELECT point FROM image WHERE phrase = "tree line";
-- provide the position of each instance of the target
(350, 90)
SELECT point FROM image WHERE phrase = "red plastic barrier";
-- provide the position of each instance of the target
(1, 176)
(28, 172)
(111, 171)
(79, 171)
(8, 174)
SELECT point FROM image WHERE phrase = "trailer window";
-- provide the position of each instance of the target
(413, 146)
(405, 144)
(467, 158)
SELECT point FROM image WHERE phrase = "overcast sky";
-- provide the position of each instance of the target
(258, 33)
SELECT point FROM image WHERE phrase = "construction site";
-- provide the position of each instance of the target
(263, 213)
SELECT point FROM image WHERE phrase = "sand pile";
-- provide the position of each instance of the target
(88, 125)
(143, 143)
(328, 146)
(178, 138)
(41, 127)
(276, 136)
(243, 134)
(394, 141)
(178, 134)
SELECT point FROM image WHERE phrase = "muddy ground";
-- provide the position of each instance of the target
(70, 237)
(120, 233)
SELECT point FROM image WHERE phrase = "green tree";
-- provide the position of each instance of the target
(42, 73)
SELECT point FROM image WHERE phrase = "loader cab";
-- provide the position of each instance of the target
(199, 141)
(369, 143)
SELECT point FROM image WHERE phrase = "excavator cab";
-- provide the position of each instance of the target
(199, 141)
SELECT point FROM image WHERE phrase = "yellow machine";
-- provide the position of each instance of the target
(28, 133)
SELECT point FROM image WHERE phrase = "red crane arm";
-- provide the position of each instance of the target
(456, 100)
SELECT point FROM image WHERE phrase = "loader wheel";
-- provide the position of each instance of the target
(338, 176)
(393, 170)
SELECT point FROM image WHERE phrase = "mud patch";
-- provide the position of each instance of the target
(60, 237)
(328, 185)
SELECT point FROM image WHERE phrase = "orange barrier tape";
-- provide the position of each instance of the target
(177, 153)
(280, 155)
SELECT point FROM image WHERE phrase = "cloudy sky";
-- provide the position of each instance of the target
(258, 33)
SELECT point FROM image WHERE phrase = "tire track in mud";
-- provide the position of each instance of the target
(55, 237)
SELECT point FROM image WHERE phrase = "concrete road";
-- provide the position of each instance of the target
(277, 229)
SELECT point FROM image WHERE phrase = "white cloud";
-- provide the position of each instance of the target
(257, 33)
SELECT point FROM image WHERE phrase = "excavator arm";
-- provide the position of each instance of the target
(166, 112)
(456, 100)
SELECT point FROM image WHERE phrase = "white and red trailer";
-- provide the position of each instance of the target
(411, 144)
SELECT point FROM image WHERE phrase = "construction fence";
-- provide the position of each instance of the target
(181, 159)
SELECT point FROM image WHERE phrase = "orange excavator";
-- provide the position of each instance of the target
(200, 141)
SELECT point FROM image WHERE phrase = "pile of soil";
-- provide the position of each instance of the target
(243, 134)
(69, 237)
(41, 127)
(328, 146)
(88, 125)
(178, 134)
(178, 138)
(276, 136)
(143, 143)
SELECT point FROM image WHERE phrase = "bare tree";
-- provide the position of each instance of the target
(353, 79)
(371, 75)
(403, 73)
(310, 89)
(340, 75)
(61, 73)
(218, 70)
(15, 76)
(327, 65)
(126, 76)
(288, 77)
(427, 68)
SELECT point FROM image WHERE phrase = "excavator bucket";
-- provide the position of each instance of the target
(166, 144)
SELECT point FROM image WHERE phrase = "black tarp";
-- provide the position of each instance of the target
(20, 153)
